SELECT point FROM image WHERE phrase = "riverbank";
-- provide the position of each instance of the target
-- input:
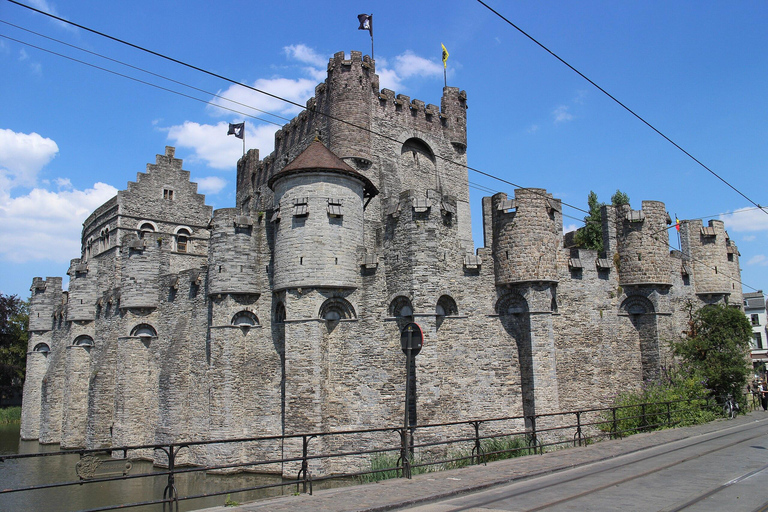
(10, 415)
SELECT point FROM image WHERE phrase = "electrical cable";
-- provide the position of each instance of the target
(649, 125)
(136, 79)
(360, 127)
(271, 95)
(144, 71)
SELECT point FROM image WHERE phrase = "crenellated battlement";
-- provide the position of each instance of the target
(642, 242)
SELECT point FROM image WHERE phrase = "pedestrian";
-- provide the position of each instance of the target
(763, 390)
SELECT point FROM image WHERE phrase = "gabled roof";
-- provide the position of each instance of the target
(319, 158)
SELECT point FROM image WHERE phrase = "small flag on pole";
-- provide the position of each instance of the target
(677, 223)
(445, 56)
(366, 22)
(237, 129)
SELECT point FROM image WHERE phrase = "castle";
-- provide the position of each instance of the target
(283, 314)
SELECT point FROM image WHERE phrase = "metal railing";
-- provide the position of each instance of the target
(396, 451)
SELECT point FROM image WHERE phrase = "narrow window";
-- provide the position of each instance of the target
(168, 194)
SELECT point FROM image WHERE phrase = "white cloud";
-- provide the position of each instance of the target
(210, 184)
(212, 145)
(45, 225)
(533, 128)
(298, 91)
(749, 238)
(45, 6)
(22, 156)
(570, 227)
(305, 54)
(759, 260)
(745, 219)
(561, 114)
(408, 64)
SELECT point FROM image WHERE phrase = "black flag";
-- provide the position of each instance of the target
(238, 130)
(366, 22)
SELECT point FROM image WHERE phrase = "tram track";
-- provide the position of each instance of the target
(760, 425)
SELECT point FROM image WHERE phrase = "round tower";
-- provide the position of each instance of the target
(527, 233)
(642, 243)
(319, 221)
(708, 249)
(349, 91)
(234, 256)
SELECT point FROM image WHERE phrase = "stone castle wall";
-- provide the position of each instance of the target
(283, 314)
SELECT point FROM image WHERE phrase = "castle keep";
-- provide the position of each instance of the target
(283, 313)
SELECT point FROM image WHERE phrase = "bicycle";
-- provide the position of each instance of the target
(730, 408)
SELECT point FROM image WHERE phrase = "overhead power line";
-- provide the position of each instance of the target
(271, 95)
(625, 107)
(136, 79)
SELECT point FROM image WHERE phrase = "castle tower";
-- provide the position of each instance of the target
(642, 243)
(46, 295)
(319, 236)
(527, 233)
(349, 94)
(236, 253)
(712, 257)
(82, 296)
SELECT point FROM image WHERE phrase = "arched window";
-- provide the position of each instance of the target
(280, 313)
(245, 319)
(637, 305)
(144, 331)
(42, 347)
(511, 304)
(417, 147)
(335, 309)
(182, 240)
(400, 307)
(106, 238)
(146, 227)
(83, 341)
(446, 306)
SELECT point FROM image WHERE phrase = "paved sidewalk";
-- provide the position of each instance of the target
(398, 493)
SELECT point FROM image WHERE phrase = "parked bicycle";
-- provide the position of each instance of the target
(731, 407)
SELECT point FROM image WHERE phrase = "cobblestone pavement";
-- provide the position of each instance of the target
(422, 489)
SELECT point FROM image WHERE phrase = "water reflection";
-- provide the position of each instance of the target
(41, 470)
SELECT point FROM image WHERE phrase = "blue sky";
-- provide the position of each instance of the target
(72, 135)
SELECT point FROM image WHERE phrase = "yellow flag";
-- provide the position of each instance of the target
(445, 55)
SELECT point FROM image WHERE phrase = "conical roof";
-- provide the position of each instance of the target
(319, 158)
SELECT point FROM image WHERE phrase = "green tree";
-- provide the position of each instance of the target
(619, 198)
(716, 349)
(14, 324)
(591, 235)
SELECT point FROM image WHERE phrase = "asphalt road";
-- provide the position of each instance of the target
(726, 470)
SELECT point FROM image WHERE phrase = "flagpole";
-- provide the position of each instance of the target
(677, 228)
(243, 137)
(445, 77)
(372, 57)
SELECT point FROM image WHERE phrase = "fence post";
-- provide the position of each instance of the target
(615, 427)
(404, 458)
(643, 418)
(307, 477)
(477, 451)
(577, 436)
(669, 415)
(169, 493)
(532, 439)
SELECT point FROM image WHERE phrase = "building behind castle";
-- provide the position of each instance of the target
(283, 314)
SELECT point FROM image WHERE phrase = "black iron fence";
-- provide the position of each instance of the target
(378, 453)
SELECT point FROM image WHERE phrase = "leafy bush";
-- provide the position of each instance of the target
(676, 398)
(10, 415)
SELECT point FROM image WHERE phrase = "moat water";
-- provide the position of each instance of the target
(43, 470)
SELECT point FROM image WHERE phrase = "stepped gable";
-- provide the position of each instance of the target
(319, 158)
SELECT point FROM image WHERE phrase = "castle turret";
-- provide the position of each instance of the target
(707, 247)
(642, 243)
(349, 89)
(46, 296)
(527, 233)
(236, 259)
(319, 210)
(81, 303)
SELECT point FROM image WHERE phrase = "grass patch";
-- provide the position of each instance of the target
(10, 415)
(497, 448)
